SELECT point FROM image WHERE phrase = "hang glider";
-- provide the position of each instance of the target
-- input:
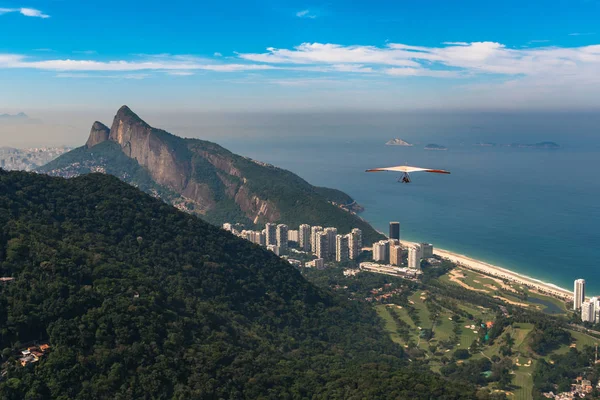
(405, 169)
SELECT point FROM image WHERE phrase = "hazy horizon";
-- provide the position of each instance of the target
(72, 129)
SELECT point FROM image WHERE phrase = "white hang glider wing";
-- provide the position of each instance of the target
(408, 169)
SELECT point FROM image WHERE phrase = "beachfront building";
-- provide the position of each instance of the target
(396, 254)
(381, 251)
(395, 230)
(341, 248)
(271, 234)
(427, 250)
(304, 237)
(588, 311)
(414, 257)
(578, 293)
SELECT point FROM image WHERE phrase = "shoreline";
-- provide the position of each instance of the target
(499, 272)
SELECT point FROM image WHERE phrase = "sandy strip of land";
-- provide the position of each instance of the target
(502, 273)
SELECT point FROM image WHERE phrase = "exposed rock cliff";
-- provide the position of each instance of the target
(98, 134)
(204, 178)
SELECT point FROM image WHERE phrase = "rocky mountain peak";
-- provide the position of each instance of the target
(98, 134)
(128, 117)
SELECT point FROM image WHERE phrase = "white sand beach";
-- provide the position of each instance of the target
(499, 272)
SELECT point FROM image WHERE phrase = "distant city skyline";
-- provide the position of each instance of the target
(299, 56)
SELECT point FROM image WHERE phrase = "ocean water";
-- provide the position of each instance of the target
(534, 211)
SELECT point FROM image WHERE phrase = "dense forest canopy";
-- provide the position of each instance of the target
(139, 300)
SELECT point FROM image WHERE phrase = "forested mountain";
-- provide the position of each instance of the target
(141, 301)
(204, 178)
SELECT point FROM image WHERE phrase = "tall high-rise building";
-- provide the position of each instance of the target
(578, 293)
(304, 237)
(381, 251)
(313, 237)
(271, 234)
(341, 248)
(414, 257)
(331, 234)
(396, 254)
(588, 313)
(427, 250)
(395, 230)
(357, 233)
(227, 226)
(353, 244)
(282, 237)
(321, 245)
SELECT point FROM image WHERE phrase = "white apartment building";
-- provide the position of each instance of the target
(578, 293)
(341, 248)
(414, 257)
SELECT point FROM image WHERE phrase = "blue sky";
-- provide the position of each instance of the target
(298, 54)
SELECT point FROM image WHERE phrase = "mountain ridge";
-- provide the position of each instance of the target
(206, 179)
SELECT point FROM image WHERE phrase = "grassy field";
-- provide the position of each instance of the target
(523, 358)
(390, 326)
(492, 287)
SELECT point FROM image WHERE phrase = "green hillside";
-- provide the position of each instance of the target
(139, 300)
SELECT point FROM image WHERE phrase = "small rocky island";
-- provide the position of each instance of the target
(398, 142)
(540, 145)
(432, 146)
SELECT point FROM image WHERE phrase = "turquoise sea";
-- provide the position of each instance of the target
(534, 211)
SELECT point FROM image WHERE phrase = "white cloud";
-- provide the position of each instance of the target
(28, 12)
(96, 76)
(217, 54)
(582, 33)
(450, 60)
(180, 73)
(161, 63)
(305, 14)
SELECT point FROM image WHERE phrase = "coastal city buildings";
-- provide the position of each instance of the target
(390, 270)
(331, 234)
(588, 313)
(281, 235)
(271, 234)
(381, 251)
(341, 248)
(396, 254)
(327, 245)
(578, 294)
(313, 237)
(395, 230)
(426, 250)
(321, 246)
(414, 257)
(304, 237)
(355, 243)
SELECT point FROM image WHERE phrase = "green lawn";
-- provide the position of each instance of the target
(390, 324)
(479, 281)
(581, 340)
